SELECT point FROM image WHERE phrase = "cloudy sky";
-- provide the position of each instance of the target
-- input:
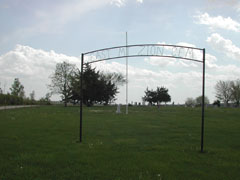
(35, 35)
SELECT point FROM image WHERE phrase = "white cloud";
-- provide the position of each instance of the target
(171, 62)
(164, 62)
(221, 72)
(121, 3)
(225, 46)
(218, 22)
(118, 3)
(140, 1)
(32, 66)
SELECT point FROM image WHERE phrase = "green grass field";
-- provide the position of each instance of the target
(40, 143)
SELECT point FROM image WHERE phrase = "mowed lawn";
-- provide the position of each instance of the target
(149, 143)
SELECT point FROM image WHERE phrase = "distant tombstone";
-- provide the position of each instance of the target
(135, 104)
(118, 109)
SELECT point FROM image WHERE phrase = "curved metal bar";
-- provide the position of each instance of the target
(119, 57)
(136, 45)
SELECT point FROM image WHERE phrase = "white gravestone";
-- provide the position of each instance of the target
(118, 109)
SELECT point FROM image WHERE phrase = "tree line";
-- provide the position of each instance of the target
(102, 88)
(191, 102)
(98, 88)
(17, 96)
(225, 92)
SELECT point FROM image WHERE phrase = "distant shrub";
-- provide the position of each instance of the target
(190, 102)
(8, 99)
(44, 101)
(216, 103)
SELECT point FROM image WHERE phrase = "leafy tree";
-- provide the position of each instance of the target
(162, 95)
(98, 87)
(235, 91)
(75, 86)
(92, 87)
(158, 96)
(110, 86)
(190, 102)
(223, 91)
(61, 81)
(17, 88)
(199, 100)
(150, 96)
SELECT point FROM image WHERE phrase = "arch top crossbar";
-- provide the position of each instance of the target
(133, 45)
(145, 50)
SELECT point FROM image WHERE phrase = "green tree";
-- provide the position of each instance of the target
(162, 95)
(98, 87)
(217, 103)
(17, 88)
(92, 87)
(61, 81)
(158, 96)
(108, 90)
(150, 96)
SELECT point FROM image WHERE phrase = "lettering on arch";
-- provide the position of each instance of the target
(157, 50)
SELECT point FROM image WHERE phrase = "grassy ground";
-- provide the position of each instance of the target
(40, 143)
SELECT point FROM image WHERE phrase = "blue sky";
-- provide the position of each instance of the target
(35, 35)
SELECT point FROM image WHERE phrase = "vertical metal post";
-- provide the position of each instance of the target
(203, 101)
(126, 73)
(81, 98)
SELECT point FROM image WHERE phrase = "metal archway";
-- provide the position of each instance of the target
(146, 50)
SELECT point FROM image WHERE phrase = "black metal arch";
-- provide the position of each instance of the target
(160, 50)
